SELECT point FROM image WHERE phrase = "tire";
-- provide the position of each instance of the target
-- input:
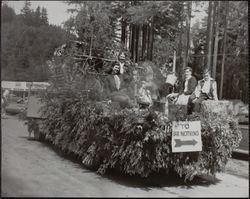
(41, 137)
(37, 135)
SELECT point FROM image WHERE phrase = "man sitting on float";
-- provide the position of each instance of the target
(205, 90)
(188, 88)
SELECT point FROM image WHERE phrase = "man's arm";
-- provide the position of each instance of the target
(197, 90)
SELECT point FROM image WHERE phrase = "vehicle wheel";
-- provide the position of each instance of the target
(41, 137)
(36, 135)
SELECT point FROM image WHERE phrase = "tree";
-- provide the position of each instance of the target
(154, 30)
(228, 60)
(135, 26)
(38, 17)
(92, 25)
(26, 47)
(7, 14)
(44, 16)
(159, 20)
(210, 33)
(27, 13)
(26, 10)
(224, 50)
(217, 23)
(188, 21)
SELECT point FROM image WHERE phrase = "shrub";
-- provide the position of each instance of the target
(137, 142)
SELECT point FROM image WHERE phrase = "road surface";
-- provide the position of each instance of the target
(34, 169)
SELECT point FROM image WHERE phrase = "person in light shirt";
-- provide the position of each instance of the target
(205, 90)
(144, 96)
(4, 101)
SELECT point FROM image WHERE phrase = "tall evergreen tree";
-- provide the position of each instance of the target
(7, 14)
(27, 13)
(26, 10)
(44, 16)
(38, 16)
(26, 45)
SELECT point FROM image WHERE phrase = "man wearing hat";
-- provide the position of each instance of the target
(188, 88)
(205, 90)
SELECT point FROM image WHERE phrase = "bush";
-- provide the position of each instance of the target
(136, 142)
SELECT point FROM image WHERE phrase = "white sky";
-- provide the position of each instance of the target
(57, 10)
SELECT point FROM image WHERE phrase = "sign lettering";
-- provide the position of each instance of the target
(186, 136)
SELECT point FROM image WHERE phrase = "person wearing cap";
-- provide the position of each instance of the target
(188, 88)
(206, 89)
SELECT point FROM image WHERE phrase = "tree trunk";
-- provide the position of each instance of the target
(148, 41)
(213, 31)
(208, 29)
(137, 42)
(224, 51)
(144, 31)
(127, 39)
(216, 41)
(131, 41)
(179, 55)
(123, 33)
(188, 19)
(151, 44)
(210, 37)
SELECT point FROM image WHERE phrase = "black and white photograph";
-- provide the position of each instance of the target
(124, 99)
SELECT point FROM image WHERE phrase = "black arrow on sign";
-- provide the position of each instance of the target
(179, 143)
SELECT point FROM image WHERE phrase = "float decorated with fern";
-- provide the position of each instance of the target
(132, 140)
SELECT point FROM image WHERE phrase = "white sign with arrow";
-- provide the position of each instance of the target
(186, 136)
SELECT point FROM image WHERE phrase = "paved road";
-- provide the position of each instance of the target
(33, 169)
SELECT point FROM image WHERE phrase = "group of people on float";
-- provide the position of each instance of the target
(193, 92)
(120, 88)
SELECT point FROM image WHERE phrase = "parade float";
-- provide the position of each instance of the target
(79, 119)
